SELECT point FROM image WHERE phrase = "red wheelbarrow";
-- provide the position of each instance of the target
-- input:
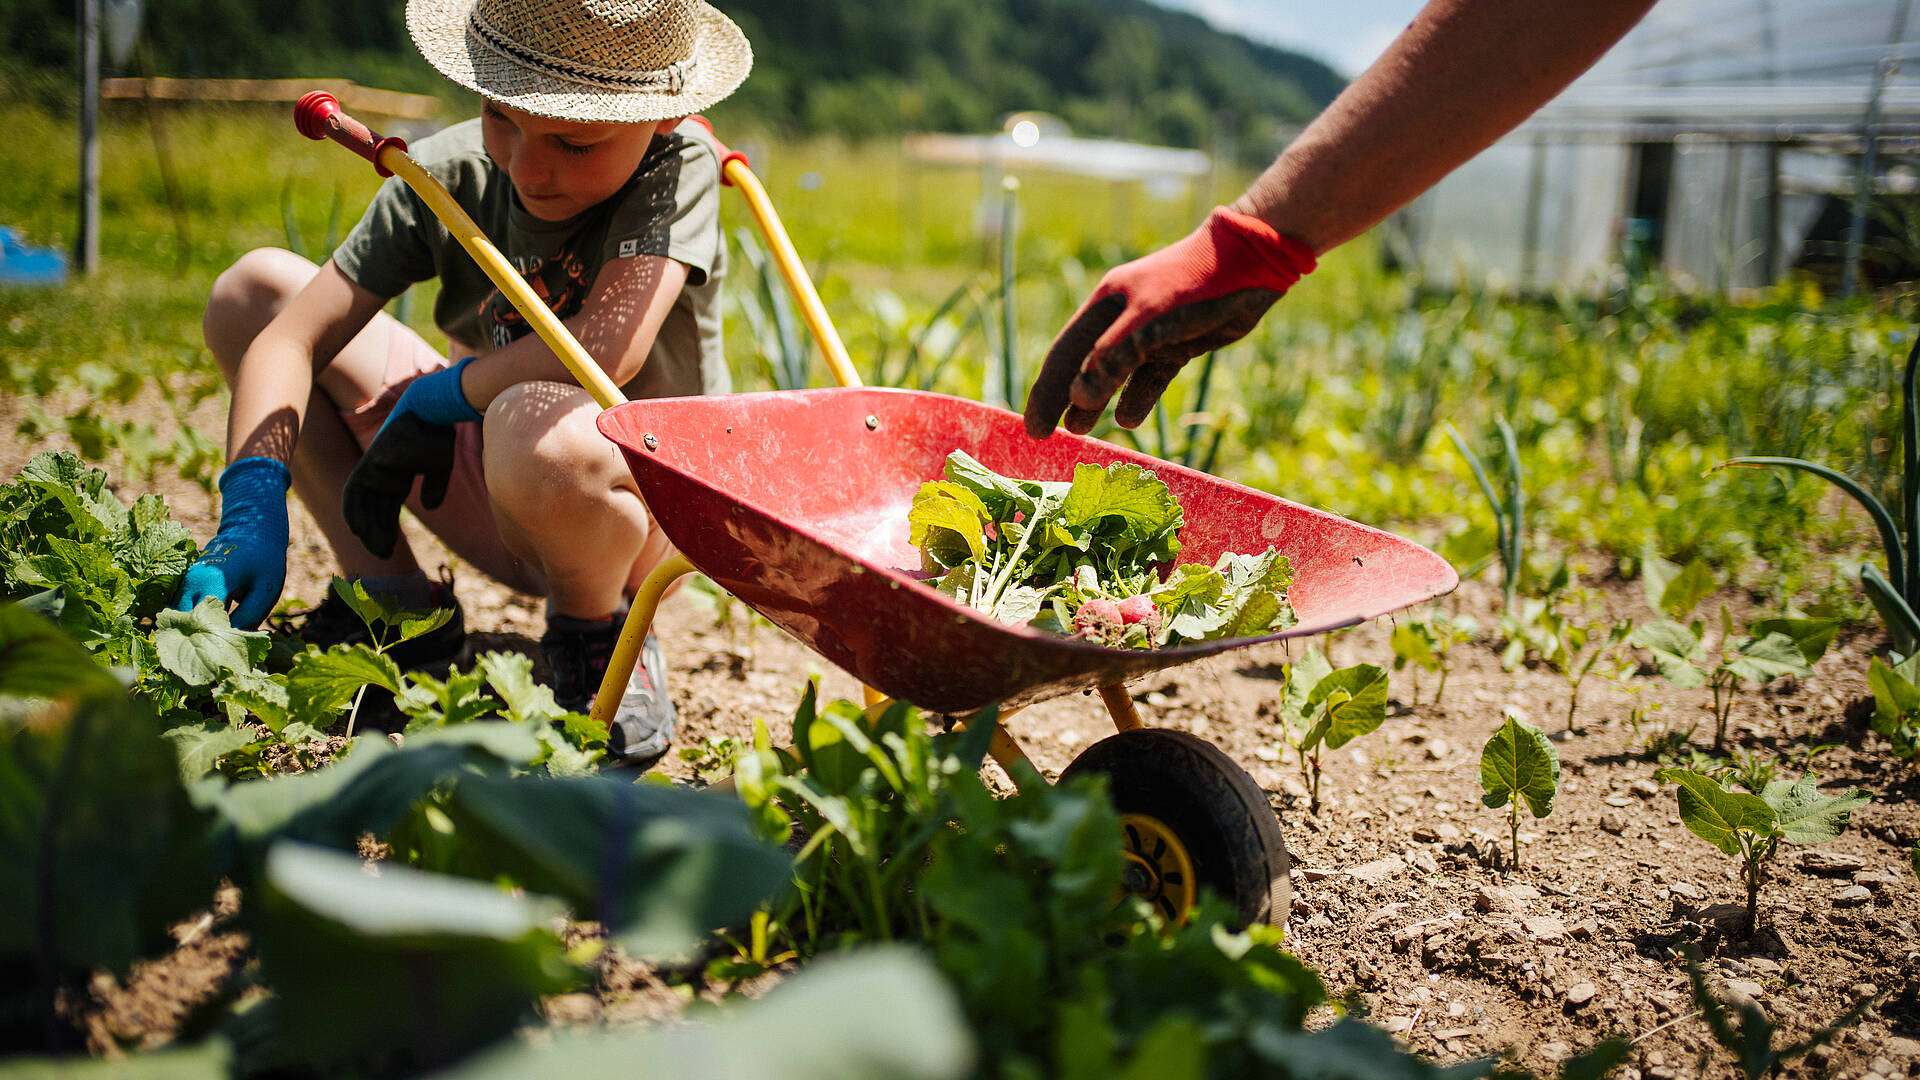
(796, 502)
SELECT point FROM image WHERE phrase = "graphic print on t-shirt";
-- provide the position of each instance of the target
(560, 282)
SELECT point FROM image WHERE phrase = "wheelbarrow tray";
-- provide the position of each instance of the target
(796, 502)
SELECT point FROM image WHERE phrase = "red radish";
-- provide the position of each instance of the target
(1099, 620)
(1137, 609)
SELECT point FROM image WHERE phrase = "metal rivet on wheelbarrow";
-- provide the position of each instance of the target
(652, 443)
(873, 422)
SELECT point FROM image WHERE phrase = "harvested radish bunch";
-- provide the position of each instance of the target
(1092, 558)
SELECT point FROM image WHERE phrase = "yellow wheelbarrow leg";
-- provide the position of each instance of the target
(1120, 707)
(626, 652)
(1005, 750)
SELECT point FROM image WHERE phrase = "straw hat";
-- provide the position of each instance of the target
(623, 61)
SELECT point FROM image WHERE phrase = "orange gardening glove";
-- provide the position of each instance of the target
(1149, 317)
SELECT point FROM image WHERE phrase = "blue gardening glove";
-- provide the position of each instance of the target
(415, 441)
(246, 561)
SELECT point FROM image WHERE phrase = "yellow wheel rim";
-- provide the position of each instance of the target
(1159, 870)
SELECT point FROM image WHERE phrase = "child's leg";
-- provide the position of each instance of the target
(244, 299)
(565, 501)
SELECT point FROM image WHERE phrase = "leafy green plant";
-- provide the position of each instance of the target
(1427, 644)
(412, 967)
(1324, 709)
(1685, 659)
(1751, 1039)
(1019, 902)
(1751, 826)
(1896, 703)
(1509, 509)
(1086, 557)
(1895, 594)
(229, 699)
(1519, 764)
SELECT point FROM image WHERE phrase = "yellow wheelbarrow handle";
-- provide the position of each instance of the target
(318, 116)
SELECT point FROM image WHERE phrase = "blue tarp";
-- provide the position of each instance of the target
(23, 264)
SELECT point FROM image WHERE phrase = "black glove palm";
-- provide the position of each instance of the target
(406, 447)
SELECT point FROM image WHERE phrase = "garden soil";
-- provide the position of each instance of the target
(1405, 897)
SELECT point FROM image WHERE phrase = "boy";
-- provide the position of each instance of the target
(577, 170)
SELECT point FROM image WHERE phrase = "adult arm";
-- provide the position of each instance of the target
(1464, 73)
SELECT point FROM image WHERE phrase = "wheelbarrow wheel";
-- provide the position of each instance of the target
(1193, 819)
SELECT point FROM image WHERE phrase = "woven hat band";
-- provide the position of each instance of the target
(671, 78)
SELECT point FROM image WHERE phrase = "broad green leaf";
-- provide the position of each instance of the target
(1302, 676)
(877, 1014)
(1717, 815)
(1519, 762)
(201, 746)
(1125, 491)
(1665, 635)
(1805, 816)
(1355, 699)
(1687, 589)
(511, 676)
(37, 661)
(353, 593)
(1412, 643)
(1656, 573)
(943, 510)
(365, 790)
(323, 683)
(201, 645)
(209, 1060)
(412, 968)
(658, 867)
(430, 702)
(1674, 648)
(104, 849)
(1190, 601)
(1772, 657)
(1813, 635)
(1000, 496)
(261, 694)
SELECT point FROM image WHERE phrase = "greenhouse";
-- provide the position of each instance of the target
(1725, 141)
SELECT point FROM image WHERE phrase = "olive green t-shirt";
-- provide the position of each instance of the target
(669, 207)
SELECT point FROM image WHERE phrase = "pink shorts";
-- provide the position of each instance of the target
(464, 520)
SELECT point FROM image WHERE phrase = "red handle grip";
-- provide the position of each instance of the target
(726, 153)
(318, 116)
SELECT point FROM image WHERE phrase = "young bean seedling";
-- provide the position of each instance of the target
(1751, 826)
(1324, 709)
(1519, 764)
(1427, 645)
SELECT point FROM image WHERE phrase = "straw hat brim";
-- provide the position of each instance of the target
(439, 30)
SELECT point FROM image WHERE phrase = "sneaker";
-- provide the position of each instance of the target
(331, 622)
(577, 651)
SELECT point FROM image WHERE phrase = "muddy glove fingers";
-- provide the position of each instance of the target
(246, 561)
(1189, 297)
(406, 447)
(1053, 386)
(1167, 343)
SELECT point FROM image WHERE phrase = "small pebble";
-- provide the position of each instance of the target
(1613, 823)
(1853, 896)
(1580, 994)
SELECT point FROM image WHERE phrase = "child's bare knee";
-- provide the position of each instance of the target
(542, 449)
(246, 296)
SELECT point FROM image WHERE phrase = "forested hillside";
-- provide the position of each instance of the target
(1110, 67)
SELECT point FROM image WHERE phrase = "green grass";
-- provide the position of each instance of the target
(1621, 404)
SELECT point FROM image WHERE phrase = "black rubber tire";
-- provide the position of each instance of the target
(1230, 831)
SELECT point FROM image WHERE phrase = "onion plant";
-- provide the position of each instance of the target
(1895, 594)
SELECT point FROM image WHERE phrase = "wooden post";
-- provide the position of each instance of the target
(86, 251)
